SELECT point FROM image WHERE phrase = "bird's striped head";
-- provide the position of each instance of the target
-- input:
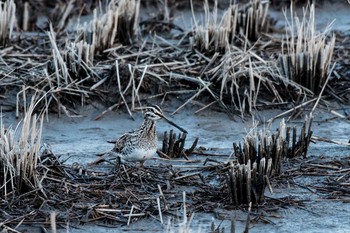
(153, 112)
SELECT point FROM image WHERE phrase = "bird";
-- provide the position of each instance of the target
(141, 144)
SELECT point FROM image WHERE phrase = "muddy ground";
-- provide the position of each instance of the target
(80, 139)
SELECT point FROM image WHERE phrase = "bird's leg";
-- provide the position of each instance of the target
(142, 164)
(118, 161)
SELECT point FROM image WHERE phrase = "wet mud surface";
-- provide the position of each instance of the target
(81, 139)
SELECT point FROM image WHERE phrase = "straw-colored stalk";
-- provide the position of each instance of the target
(128, 13)
(183, 226)
(19, 152)
(58, 63)
(61, 15)
(306, 56)
(7, 21)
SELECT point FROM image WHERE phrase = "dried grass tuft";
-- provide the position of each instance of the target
(242, 76)
(118, 23)
(306, 56)
(212, 36)
(7, 21)
(19, 155)
(260, 158)
(246, 182)
(68, 71)
(281, 144)
(79, 57)
(215, 35)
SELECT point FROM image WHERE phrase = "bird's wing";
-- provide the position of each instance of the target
(121, 143)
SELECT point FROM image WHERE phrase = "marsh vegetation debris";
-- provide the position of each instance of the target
(173, 145)
(19, 157)
(238, 23)
(128, 193)
(230, 62)
(306, 56)
(283, 143)
(261, 158)
(235, 69)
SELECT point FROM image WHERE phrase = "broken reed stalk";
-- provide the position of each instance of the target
(19, 153)
(306, 56)
(252, 19)
(7, 21)
(61, 15)
(59, 65)
(128, 13)
(215, 35)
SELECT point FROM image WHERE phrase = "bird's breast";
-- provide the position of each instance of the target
(139, 154)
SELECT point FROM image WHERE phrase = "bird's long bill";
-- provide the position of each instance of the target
(173, 124)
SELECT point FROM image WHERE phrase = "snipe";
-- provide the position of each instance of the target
(140, 145)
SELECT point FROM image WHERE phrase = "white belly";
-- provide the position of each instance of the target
(140, 155)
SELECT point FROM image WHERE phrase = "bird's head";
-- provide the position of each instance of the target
(154, 113)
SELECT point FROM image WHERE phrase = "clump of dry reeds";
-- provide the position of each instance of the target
(247, 182)
(173, 145)
(7, 21)
(215, 35)
(118, 23)
(68, 70)
(252, 19)
(79, 57)
(19, 154)
(241, 76)
(260, 158)
(212, 35)
(306, 56)
(283, 143)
